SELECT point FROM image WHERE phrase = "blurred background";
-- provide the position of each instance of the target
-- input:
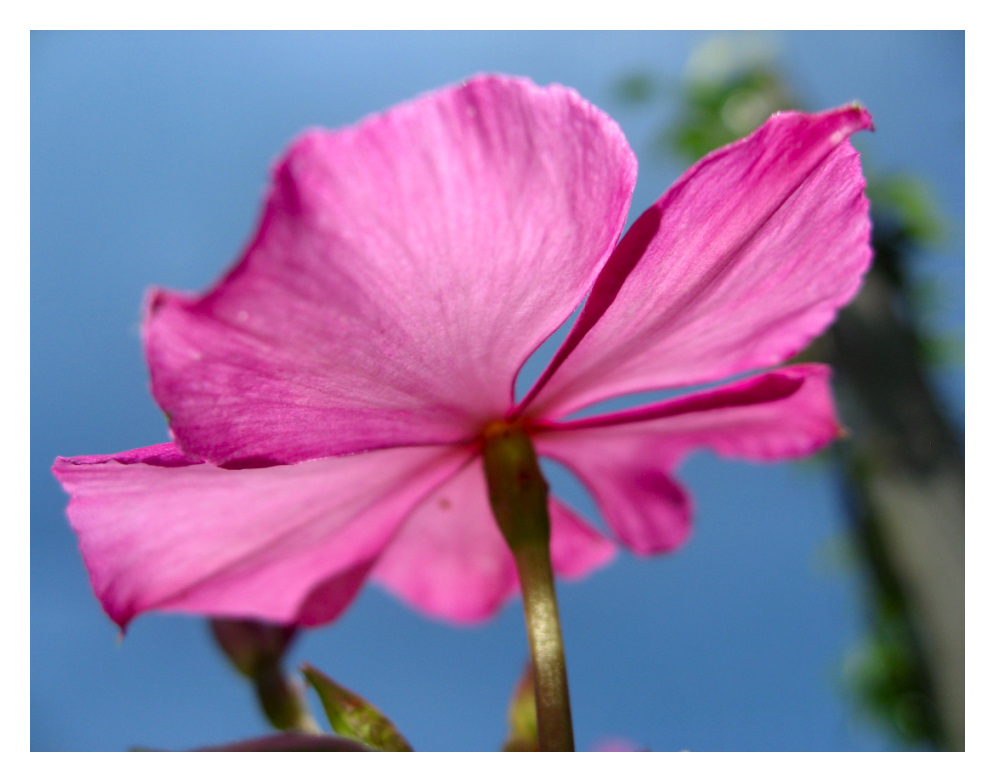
(818, 605)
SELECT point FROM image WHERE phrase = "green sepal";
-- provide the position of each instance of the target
(250, 645)
(523, 724)
(256, 650)
(354, 717)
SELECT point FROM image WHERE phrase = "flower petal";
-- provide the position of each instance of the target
(450, 560)
(403, 271)
(626, 459)
(283, 544)
(576, 548)
(742, 262)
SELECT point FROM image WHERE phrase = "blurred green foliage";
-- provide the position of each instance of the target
(884, 673)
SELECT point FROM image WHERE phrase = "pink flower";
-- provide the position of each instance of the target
(403, 271)
(614, 744)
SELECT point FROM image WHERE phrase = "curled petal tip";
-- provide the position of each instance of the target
(852, 118)
(865, 116)
(155, 298)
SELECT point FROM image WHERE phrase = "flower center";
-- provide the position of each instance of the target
(496, 429)
(515, 485)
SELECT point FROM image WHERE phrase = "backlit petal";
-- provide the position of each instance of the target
(284, 544)
(402, 272)
(737, 267)
(450, 560)
(627, 459)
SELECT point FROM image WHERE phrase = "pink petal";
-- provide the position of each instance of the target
(626, 459)
(283, 544)
(576, 547)
(742, 262)
(449, 559)
(403, 271)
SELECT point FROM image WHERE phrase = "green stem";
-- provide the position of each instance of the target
(282, 701)
(519, 498)
(546, 646)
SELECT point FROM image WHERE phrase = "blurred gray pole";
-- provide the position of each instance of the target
(910, 472)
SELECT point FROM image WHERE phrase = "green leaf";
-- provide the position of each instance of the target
(354, 717)
(523, 725)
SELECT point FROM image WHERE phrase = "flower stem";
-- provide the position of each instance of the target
(546, 645)
(519, 498)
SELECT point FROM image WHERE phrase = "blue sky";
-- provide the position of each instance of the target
(149, 153)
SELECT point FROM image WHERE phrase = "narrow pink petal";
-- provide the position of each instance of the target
(770, 386)
(450, 561)
(742, 262)
(627, 459)
(286, 544)
(403, 271)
